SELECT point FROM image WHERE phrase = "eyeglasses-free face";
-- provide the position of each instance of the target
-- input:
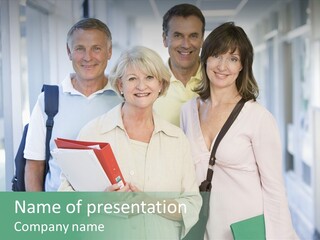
(139, 89)
(184, 41)
(89, 51)
(224, 69)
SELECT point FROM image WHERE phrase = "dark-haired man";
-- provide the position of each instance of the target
(183, 32)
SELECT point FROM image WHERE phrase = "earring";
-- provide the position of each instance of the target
(122, 95)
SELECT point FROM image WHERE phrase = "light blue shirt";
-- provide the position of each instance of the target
(75, 110)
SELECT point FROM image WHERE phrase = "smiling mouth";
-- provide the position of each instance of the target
(184, 53)
(221, 75)
(142, 94)
(88, 66)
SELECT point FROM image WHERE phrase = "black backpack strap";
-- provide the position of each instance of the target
(51, 106)
(18, 183)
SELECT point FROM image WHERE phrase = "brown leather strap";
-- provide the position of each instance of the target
(233, 115)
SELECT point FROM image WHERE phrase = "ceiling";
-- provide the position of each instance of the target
(244, 12)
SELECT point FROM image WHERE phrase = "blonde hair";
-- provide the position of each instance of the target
(144, 59)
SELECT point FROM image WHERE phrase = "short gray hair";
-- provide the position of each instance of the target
(87, 24)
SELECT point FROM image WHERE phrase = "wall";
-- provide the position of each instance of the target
(285, 42)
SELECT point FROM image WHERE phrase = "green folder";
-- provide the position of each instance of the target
(249, 229)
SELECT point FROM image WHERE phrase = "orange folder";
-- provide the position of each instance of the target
(104, 154)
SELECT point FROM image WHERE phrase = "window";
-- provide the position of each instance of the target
(34, 55)
(300, 13)
(24, 45)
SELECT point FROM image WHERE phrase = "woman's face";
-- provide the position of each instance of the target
(140, 90)
(224, 69)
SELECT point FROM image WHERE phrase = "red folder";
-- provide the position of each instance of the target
(104, 155)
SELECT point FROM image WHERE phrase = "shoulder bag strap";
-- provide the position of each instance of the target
(235, 112)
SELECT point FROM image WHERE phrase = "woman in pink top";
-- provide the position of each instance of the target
(247, 179)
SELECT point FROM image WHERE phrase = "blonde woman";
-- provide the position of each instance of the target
(153, 154)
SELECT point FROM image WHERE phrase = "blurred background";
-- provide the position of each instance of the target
(286, 39)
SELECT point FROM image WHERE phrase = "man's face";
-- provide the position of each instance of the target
(184, 40)
(89, 51)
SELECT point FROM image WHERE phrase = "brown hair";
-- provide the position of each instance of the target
(229, 37)
(182, 10)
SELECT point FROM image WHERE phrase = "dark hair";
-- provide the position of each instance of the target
(182, 10)
(229, 37)
(89, 23)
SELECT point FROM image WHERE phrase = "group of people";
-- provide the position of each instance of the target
(162, 121)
